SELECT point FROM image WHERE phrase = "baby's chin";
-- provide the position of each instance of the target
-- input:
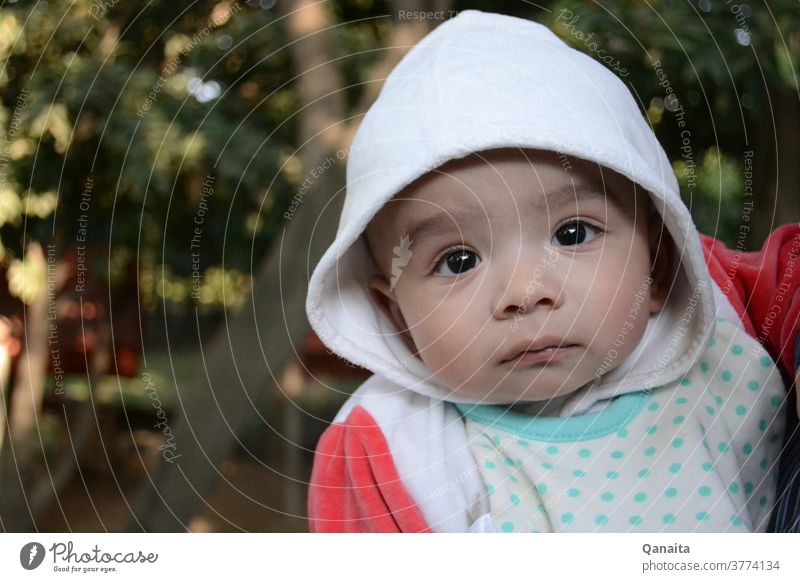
(516, 395)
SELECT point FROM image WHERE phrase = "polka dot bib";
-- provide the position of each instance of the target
(699, 454)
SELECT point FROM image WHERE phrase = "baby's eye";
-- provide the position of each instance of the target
(457, 262)
(574, 233)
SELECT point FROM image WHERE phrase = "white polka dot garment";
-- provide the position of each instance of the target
(698, 455)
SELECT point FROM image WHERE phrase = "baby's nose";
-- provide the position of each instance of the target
(528, 289)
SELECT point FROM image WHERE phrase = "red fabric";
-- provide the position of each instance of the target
(763, 289)
(354, 483)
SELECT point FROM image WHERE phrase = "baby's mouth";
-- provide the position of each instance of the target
(541, 356)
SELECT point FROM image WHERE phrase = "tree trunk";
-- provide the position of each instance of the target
(244, 361)
(25, 406)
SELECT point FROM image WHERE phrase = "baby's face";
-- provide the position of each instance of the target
(513, 253)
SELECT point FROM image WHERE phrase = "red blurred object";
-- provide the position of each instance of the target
(318, 360)
(83, 316)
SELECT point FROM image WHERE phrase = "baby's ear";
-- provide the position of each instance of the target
(384, 298)
(662, 268)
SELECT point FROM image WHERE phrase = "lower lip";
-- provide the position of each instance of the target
(543, 356)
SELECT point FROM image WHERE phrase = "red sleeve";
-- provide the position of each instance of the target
(354, 483)
(763, 289)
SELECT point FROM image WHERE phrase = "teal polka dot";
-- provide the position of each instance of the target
(649, 451)
(722, 447)
(547, 466)
(713, 340)
(579, 473)
(718, 399)
(752, 385)
(523, 443)
(774, 438)
(671, 492)
(584, 453)
(726, 375)
(601, 519)
(747, 449)
(776, 400)
(552, 450)
(763, 501)
(710, 410)
(567, 517)
(507, 527)
(686, 382)
(639, 497)
(653, 406)
(607, 496)
(652, 429)
(668, 518)
(496, 439)
(702, 516)
(677, 443)
(765, 361)
(762, 425)
(508, 462)
(704, 367)
(748, 488)
(644, 473)
(622, 433)
(541, 509)
(678, 419)
(573, 492)
(733, 488)
(612, 475)
(512, 478)
(541, 488)
(704, 491)
(741, 410)
(763, 464)
(635, 520)
(736, 520)
(617, 455)
(514, 499)
(737, 350)
(707, 466)
(675, 468)
(489, 465)
(682, 400)
(490, 489)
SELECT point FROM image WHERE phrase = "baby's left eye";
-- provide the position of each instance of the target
(574, 233)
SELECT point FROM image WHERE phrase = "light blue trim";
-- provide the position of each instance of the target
(613, 417)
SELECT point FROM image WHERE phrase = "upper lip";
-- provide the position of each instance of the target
(534, 345)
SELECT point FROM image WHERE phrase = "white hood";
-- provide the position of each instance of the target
(482, 81)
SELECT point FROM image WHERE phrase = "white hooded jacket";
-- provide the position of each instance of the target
(481, 81)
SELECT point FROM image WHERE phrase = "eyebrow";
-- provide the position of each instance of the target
(444, 221)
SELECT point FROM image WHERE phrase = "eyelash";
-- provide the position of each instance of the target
(440, 256)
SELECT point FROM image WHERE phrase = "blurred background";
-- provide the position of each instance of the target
(170, 172)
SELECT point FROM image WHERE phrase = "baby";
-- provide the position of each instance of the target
(554, 346)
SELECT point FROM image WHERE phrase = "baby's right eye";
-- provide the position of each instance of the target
(457, 262)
